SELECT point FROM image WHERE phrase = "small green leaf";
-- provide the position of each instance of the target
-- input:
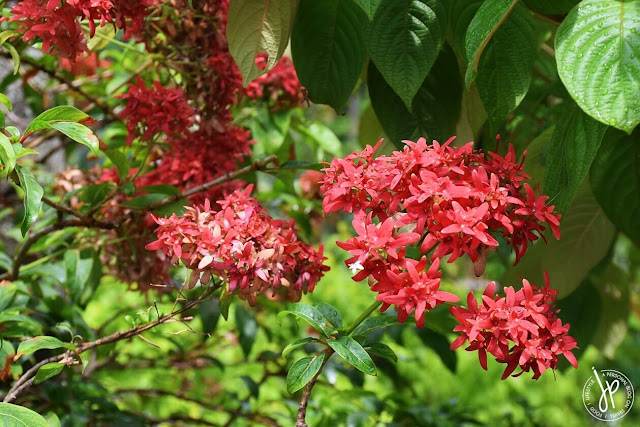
(303, 371)
(14, 56)
(4, 100)
(351, 351)
(404, 39)
(225, 303)
(374, 323)
(47, 371)
(311, 315)
(19, 416)
(598, 56)
(382, 350)
(33, 193)
(256, 26)
(7, 155)
(572, 148)
(297, 344)
(331, 313)
(41, 343)
(328, 49)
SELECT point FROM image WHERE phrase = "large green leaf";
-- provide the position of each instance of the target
(504, 68)
(33, 193)
(328, 49)
(303, 371)
(552, 7)
(331, 314)
(404, 39)
(369, 6)
(462, 13)
(19, 416)
(351, 351)
(598, 55)
(257, 26)
(615, 178)
(436, 106)
(586, 235)
(573, 146)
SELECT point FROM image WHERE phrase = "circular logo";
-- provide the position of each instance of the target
(608, 395)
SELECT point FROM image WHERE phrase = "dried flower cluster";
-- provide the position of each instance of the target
(244, 246)
(520, 329)
(448, 200)
(58, 23)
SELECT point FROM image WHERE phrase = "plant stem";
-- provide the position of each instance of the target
(304, 401)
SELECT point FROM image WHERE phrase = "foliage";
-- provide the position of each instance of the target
(191, 190)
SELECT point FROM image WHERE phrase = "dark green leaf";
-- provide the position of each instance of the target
(269, 130)
(374, 323)
(303, 371)
(299, 164)
(257, 26)
(351, 351)
(297, 344)
(47, 371)
(369, 7)
(209, 315)
(33, 193)
(598, 55)
(573, 146)
(439, 343)
(404, 39)
(328, 49)
(552, 7)
(462, 13)
(615, 178)
(225, 303)
(40, 343)
(382, 350)
(311, 315)
(247, 329)
(331, 314)
(19, 416)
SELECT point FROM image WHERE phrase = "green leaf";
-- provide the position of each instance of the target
(369, 6)
(15, 57)
(440, 345)
(615, 178)
(328, 49)
(487, 20)
(404, 39)
(586, 235)
(321, 136)
(19, 416)
(462, 13)
(351, 351)
(369, 128)
(257, 26)
(6, 35)
(7, 155)
(504, 68)
(376, 322)
(552, 7)
(616, 307)
(382, 350)
(573, 146)
(331, 314)
(79, 133)
(41, 343)
(269, 130)
(436, 106)
(63, 113)
(225, 303)
(247, 329)
(297, 344)
(303, 371)
(47, 371)
(32, 198)
(4, 100)
(598, 56)
(311, 315)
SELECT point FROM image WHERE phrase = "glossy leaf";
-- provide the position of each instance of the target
(331, 314)
(63, 113)
(382, 350)
(353, 353)
(47, 371)
(572, 148)
(18, 416)
(33, 193)
(375, 322)
(41, 343)
(404, 39)
(297, 344)
(303, 371)
(311, 315)
(78, 133)
(462, 13)
(598, 56)
(615, 178)
(328, 49)
(257, 26)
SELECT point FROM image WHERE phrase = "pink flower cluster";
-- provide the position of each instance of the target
(155, 109)
(448, 200)
(520, 329)
(279, 86)
(57, 23)
(244, 246)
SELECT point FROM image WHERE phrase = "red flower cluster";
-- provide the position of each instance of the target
(520, 329)
(279, 86)
(57, 23)
(455, 198)
(153, 110)
(244, 246)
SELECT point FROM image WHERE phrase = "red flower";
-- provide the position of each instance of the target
(279, 86)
